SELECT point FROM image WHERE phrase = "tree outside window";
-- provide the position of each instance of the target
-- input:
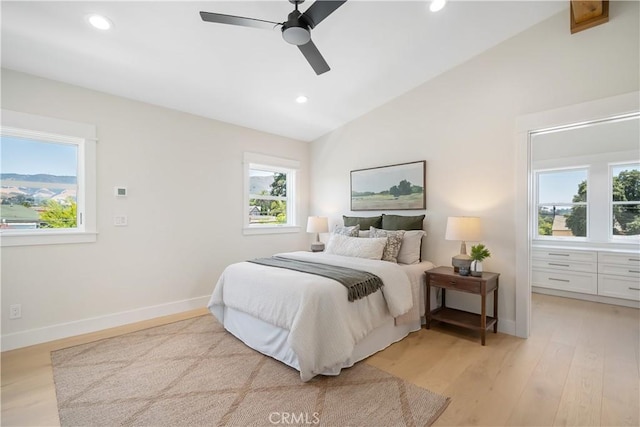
(268, 202)
(625, 200)
(562, 203)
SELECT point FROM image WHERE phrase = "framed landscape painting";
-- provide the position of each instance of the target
(395, 187)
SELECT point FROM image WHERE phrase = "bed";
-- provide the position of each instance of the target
(306, 321)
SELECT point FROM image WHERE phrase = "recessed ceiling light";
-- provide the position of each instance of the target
(100, 22)
(301, 99)
(437, 5)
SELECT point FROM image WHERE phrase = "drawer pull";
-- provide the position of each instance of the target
(634, 259)
(634, 289)
(559, 280)
(634, 271)
(452, 282)
(558, 265)
(558, 254)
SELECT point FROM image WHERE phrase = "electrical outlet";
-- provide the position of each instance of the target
(15, 311)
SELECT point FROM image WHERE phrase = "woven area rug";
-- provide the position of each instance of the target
(195, 373)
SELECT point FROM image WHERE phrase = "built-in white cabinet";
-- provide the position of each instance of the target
(593, 272)
(565, 270)
(619, 275)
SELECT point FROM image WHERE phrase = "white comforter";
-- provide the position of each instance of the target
(324, 326)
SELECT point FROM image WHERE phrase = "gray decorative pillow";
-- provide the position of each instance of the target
(394, 241)
(363, 221)
(401, 222)
(347, 231)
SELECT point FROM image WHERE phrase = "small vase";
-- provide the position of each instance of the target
(476, 268)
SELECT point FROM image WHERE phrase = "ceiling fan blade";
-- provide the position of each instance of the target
(320, 10)
(315, 59)
(238, 20)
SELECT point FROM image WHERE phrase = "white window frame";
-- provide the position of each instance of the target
(83, 136)
(275, 164)
(615, 237)
(538, 203)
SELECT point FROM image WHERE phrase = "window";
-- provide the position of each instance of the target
(47, 181)
(625, 200)
(562, 203)
(270, 188)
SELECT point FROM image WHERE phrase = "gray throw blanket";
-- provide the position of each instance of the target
(359, 283)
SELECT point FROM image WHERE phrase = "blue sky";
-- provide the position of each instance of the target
(31, 157)
(560, 187)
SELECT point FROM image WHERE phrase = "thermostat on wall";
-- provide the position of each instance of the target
(120, 191)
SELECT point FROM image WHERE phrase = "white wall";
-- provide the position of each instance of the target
(185, 212)
(463, 123)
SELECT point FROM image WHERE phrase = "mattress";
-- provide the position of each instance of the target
(274, 341)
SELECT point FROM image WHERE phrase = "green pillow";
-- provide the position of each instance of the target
(364, 222)
(400, 222)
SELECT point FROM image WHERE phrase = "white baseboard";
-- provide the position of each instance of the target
(93, 324)
(506, 326)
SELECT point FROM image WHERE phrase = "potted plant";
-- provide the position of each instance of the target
(479, 253)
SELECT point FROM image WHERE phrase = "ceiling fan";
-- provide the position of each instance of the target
(295, 30)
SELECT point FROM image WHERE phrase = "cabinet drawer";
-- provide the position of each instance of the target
(566, 281)
(619, 270)
(629, 259)
(564, 255)
(619, 287)
(564, 265)
(458, 283)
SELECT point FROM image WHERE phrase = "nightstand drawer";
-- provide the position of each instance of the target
(457, 283)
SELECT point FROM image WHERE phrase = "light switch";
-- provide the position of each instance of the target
(120, 220)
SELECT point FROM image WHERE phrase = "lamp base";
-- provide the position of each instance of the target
(461, 260)
(317, 247)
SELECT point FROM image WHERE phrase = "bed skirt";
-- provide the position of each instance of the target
(272, 340)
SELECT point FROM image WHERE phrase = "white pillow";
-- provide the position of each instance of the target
(363, 233)
(356, 247)
(410, 248)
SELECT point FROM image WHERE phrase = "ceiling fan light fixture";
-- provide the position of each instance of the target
(296, 35)
(100, 22)
(437, 5)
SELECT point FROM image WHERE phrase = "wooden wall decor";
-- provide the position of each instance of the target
(587, 14)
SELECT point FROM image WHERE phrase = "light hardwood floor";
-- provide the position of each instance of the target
(579, 367)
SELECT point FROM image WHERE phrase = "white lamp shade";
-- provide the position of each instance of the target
(317, 224)
(464, 228)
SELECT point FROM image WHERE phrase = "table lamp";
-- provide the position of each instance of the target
(317, 224)
(463, 228)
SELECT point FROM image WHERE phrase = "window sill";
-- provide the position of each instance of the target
(47, 238)
(278, 229)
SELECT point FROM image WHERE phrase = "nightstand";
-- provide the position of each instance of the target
(445, 278)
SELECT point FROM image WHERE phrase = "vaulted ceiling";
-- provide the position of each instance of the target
(164, 54)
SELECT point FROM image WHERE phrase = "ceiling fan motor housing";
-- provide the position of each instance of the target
(296, 30)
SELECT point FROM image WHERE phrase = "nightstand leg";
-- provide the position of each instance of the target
(427, 309)
(495, 308)
(483, 318)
